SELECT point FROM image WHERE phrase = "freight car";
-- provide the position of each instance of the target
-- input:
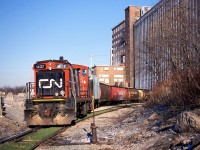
(115, 94)
(60, 92)
(112, 94)
(139, 95)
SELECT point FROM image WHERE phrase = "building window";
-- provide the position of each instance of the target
(120, 68)
(106, 80)
(123, 59)
(115, 80)
(118, 76)
(101, 79)
(106, 68)
(104, 75)
(120, 80)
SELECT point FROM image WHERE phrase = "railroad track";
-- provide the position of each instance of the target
(16, 137)
(31, 139)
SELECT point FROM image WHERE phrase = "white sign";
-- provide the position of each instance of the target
(51, 81)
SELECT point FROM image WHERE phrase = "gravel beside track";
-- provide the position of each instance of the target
(113, 132)
(131, 128)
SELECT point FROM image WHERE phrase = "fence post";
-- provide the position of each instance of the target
(1, 107)
(93, 126)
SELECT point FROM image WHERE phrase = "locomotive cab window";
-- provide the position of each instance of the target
(84, 72)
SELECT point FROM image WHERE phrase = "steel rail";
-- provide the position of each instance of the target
(17, 136)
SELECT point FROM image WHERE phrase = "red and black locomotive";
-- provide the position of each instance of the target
(59, 93)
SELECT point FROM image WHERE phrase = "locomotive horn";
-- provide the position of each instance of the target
(61, 58)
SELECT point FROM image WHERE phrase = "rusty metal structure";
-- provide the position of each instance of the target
(166, 40)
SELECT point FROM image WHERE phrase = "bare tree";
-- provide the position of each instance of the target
(14, 90)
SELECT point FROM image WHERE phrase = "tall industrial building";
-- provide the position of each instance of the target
(154, 43)
(118, 45)
(166, 41)
(123, 41)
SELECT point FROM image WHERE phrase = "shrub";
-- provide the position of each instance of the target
(181, 91)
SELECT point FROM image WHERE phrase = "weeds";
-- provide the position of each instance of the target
(182, 91)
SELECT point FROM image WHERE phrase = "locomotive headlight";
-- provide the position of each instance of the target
(62, 93)
(56, 93)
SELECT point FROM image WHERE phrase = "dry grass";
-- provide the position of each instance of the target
(181, 91)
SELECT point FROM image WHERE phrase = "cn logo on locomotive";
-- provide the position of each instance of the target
(51, 81)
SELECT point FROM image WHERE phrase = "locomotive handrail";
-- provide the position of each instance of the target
(29, 89)
(2, 107)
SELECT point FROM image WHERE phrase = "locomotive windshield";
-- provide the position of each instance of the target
(50, 83)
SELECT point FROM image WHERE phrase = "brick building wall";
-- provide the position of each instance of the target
(111, 75)
(132, 13)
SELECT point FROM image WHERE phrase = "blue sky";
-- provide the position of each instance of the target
(33, 30)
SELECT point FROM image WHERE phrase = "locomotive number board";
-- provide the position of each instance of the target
(39, 66)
